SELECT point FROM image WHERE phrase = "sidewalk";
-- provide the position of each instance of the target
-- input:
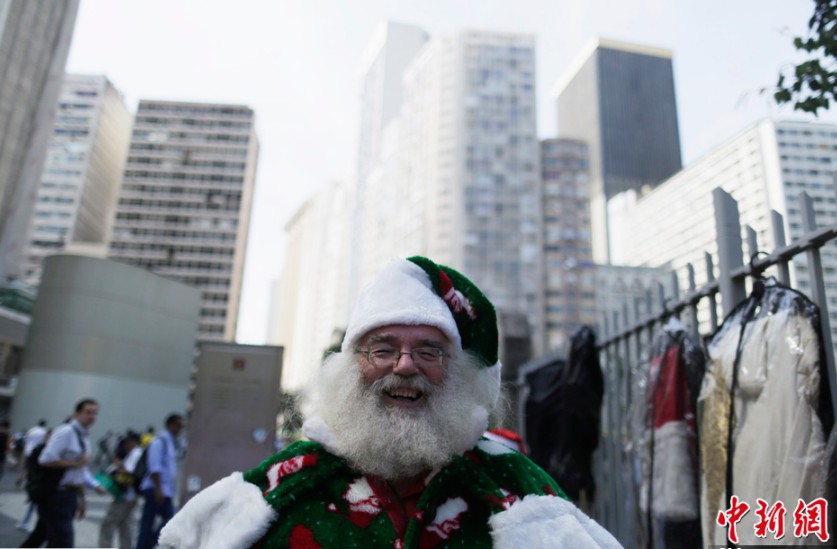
(13, 506)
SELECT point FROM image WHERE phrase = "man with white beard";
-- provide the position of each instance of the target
(395, 456)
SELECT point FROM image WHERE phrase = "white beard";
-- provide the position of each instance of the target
(401, 443)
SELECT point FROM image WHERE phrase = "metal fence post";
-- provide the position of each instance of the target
(818, 294)
(728, 228)
(778, 225)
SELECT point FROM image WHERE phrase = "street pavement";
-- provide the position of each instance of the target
(13, 506)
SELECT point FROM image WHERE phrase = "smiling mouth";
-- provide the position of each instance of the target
(404, 394)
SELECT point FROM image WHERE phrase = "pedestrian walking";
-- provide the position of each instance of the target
(158, 485)
(61, 494)
(33, 438)
(118, 515)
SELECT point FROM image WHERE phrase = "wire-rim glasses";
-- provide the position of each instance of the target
(388, 357)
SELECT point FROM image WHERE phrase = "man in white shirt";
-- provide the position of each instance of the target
(33, 437)
(158, 486)
(68, 451)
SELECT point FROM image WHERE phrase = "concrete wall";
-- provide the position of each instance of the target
(233, 421)
(109, 331)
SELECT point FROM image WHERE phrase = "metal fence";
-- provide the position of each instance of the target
(626, 335)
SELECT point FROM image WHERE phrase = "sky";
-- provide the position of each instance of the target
(297, 63)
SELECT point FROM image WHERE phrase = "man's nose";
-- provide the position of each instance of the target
(404, 365)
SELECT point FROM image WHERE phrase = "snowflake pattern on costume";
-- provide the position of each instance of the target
(505, 502)
(455, 299)
(447, 518)
(278, 471)
(364, 505)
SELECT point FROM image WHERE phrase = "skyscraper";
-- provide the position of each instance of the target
(454, 176)
(184, 207)
(83, 170)
(470, 164)
(569, 272)
(310, 307)
(620, 99)
(389, 52)
(35, 39)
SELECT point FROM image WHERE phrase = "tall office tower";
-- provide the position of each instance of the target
(764, 168)
(388, 53)
(469, 164)
(569, 281)
(35, 39)
(309, 309)
(619, 98)
(184, 207)
(83, 171)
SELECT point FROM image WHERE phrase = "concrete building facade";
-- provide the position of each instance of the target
(764, 168)
(112, 332)
(35, 38)
(184, 207)
(619, 98)
(83, 170)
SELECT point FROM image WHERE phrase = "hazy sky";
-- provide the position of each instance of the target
(297, 64)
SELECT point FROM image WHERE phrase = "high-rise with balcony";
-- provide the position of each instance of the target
(184, 207)
(35, 38)
(619, 98)
(83, 171)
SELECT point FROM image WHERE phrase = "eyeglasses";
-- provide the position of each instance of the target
(387, 357)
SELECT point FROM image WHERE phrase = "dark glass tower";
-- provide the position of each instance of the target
(619, 98)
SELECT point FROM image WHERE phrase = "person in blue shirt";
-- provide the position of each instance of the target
(158, 486)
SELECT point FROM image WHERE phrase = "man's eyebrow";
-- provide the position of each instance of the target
(392, 340)
(436, 343)
(380, 338)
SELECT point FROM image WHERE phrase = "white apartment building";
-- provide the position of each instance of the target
(309, 309)
(764, 168)
(35, 38)
(469, 165)
(389, 52)
(83, 171)
(184, 207)
(391, 49)
(454, 176)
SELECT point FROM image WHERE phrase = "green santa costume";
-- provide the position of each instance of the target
(308, 496)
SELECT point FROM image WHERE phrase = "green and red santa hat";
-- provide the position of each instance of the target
(416, 291)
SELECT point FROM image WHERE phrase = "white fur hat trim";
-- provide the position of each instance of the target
(401, 294)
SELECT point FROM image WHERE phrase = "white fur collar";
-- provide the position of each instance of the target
(547, 521)
(315, 428)
(230, 513)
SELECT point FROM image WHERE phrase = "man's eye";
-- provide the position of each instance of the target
(383, 354)
(428, 355)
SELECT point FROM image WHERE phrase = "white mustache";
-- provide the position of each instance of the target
(392, 382)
